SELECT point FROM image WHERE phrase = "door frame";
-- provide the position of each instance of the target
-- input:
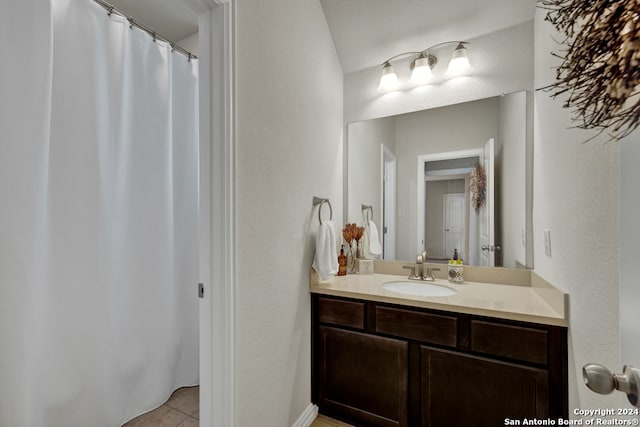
(420, 186)
(388, 201)
(486, 228)
(217, 191)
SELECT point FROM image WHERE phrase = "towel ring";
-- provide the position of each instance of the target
(321, 201)
(365, 213)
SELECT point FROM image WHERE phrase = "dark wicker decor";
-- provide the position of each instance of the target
(600, 70)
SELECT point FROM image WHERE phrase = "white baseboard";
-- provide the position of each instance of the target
(307, 417)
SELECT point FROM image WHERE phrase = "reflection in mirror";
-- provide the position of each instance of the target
(414, 169)
(449, 221)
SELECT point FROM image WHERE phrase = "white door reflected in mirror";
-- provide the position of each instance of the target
(454, 224)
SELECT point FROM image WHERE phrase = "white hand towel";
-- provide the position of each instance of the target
(325, 261)
(374, 240)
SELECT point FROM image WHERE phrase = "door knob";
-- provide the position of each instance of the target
(601, 380)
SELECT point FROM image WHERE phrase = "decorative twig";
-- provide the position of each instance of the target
(478, 187)
(600, 69)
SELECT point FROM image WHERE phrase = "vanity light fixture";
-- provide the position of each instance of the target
(422, 66)
(389, 79)
(421, 69)
(459, 64)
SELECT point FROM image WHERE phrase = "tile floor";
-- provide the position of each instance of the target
(181, 410)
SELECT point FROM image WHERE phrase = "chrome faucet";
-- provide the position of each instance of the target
(416, 269)
(421, 271)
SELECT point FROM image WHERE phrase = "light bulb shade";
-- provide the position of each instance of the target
(388, 80)
(421, 73)
(459, 64)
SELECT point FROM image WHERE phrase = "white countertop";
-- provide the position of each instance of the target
(525, 303)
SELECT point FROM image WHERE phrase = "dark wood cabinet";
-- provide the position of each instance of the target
(379, 364)
(364, 376)
(464, 390)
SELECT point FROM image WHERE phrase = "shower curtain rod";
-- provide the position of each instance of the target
(132, 23)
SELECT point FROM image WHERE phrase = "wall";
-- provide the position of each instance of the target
(629, 230)
(190, 44)
(289, 149)
(502, 63)
(364, 157)
(576, 198)
(456, 127)
(511, 155)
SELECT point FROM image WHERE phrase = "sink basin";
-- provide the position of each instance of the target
(421, 289)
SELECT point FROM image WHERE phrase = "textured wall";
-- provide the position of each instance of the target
(289, 148)
(576, 198)
(629, 249)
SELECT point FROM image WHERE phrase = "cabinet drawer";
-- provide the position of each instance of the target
(415, 325)
(340, 312)
(514, 342)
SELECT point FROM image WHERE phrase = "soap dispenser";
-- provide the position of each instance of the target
(456, 271)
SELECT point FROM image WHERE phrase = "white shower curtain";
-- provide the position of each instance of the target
(98, 217)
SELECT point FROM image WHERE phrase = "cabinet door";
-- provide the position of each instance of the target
(363, 377)
(464, 390)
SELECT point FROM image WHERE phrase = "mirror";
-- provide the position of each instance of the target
(414, 170)
(391, 138)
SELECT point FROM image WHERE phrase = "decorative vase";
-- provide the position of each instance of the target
(352, 260)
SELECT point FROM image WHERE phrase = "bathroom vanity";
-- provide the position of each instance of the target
(489, 353)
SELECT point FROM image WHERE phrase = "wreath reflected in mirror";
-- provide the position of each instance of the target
(600, 71)
(478, 187)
